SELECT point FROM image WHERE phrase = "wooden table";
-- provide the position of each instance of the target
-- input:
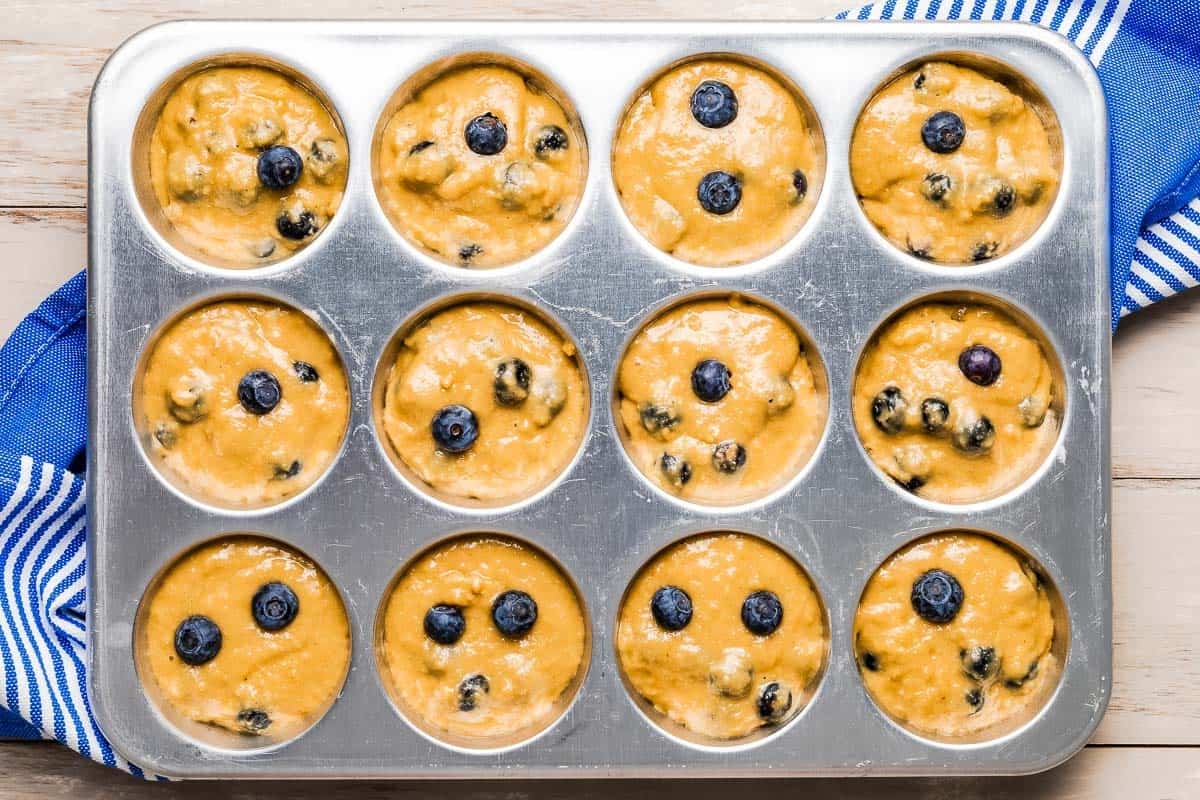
(1147, 747)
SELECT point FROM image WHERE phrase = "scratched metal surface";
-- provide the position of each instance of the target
(600, 280)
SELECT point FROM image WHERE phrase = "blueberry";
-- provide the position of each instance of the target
(455, 429)
(1004, 199)
(710, 380)
(719, 192)
(980, 663)
(470, 690)
(511, 384)
(282, 473)
(419, 146)
(919, 82)
(974, 699)
(551, 138)
(469, 251)
(934, 414)
(197, 640)
(937, 596)
(800, 185)
(274, 606)
(187, 407)
(656, 418)
(729, 456)
(165, 435)
(921, 252)
(943, 132)
(1017, 683)
(774, 702)
(979, 364)
(259, 392)
(889, 409)
(936, 186)
(912, 485)
(762, 613)
(253, 720)
(279, 167)
(445, 623)
(514, 612)
(984, 250)
(714, 105)
(975, 437)
(296, 226)
(671, 608)
(676, 470)
(870, 661)
(486, 135)
(305, 371)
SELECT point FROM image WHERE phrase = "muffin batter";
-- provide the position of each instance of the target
(733, 447)
(953, 203)
(271, 683)
(663, 153)
(711, 675)
(933, 429)
(517, 378)
(205, 156)
(481, 167)
(986, 666)
(484, 684)
(243, 403)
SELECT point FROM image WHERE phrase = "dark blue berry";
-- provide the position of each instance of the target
(710, 380)
(282, 472)
(729, 456)
(296, 227)
(979, 364)
(656, 418)
(514, 613)
(259, 392)
(677, 470)
(1004, 199)
(889, 409)
(936, 186)
(671, 608)
(870, 661)
(934, 414)
(719, 192)
(445, 623)
(976, 437)
(511, 384)
(714, 105)
(980, 663)
(800, 185)
(943, 132)
(774, 702)
(470, 690)
(469, 251)
(550, 139)
(274, 606)
(305, 371)
(253, 720)
(486, 135)
(279, 167)
(975, 700)
(762, 613)
(455, 429)
(984, 250)
(937, 596)
(197, 640)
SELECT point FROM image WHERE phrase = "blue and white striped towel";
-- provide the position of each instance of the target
(1148, 56)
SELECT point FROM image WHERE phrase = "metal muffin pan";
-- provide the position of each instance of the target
(600, 280)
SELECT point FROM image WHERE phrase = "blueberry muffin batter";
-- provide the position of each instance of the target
(247, 165)
(955, 402)
(481, 167)
(243, 403)
(485, 402)
(483, 637)
(718, 402)
(715, 163)
(722, 633)
(953, 636)
(246, 635)
(952, 166)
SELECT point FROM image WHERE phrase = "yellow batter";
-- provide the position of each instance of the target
(969, 205)
(204, 156)
(527, 678)
(481, 210)
(985, 667)
(196, 427)
(662, 152)
(289, 675)
(454, 358)
(709, 676)
(918, 354)
(773, 410)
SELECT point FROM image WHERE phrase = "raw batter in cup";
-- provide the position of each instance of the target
(243, 403)
(247, 635)
(718, 401)
(481, 167)
(952, 166)
(483, 637)
(715, 163)
(485, 402)
(953, 636)
(247, 165)
(722, 633)
(954, 402)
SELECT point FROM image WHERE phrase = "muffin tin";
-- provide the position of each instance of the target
(600, 281)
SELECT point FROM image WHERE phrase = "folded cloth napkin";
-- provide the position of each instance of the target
(1148, 56)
